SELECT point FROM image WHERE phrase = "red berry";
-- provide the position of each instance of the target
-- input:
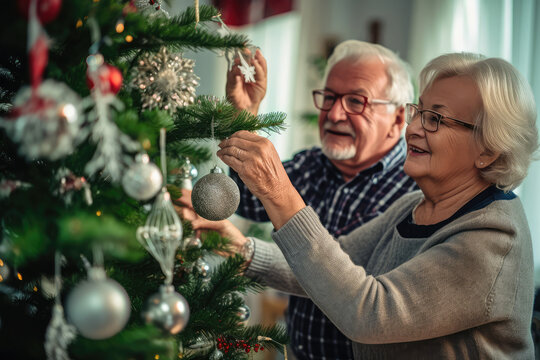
(47, 10)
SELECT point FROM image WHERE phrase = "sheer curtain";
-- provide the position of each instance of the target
(509, 29)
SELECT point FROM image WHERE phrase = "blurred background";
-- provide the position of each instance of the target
(296, 37)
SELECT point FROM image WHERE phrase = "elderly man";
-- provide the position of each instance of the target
(356, 174)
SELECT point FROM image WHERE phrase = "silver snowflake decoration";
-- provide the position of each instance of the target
(151, 8)
(166, 81)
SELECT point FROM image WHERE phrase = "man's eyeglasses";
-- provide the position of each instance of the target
(353, 104)
(430, 119)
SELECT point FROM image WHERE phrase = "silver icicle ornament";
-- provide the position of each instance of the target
(215, 196)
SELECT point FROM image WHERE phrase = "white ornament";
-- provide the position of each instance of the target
(99, 307)
(168, 310)
(46, 122)
(143, 179)
(165, 81)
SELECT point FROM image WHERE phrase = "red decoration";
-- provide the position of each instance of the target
(47, 10)
(110, 79)
(38, 58)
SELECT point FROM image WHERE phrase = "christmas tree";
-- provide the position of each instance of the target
(94, 261)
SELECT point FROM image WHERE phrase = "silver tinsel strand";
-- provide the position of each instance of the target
(59, 335)
(166, 81)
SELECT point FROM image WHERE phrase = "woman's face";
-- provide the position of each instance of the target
(446, 158)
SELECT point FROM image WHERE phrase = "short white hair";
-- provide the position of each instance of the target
(400, 88)
(506, 124)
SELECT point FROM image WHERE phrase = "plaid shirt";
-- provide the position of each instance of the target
(341, 207)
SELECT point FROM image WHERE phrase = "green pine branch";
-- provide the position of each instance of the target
(195, 121)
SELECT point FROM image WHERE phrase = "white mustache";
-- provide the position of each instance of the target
(339, 128)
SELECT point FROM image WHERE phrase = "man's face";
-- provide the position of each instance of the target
(359, 141)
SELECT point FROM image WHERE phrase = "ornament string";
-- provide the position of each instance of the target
(214, 144)
(196, 12)
(162, 135)
(265, 338)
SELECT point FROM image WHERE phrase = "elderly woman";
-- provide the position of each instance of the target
(446, 272)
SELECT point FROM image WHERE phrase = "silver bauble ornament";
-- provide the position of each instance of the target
(99, 307)
(201, 267)
(168, 310)
(215, 196)
(243, 313)
(143, 179)
(193, 243)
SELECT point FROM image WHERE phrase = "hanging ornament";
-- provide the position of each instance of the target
(69, 183)
(151, 8)
(215, 196)
(59, 333)
(110, 79)
(185, 175)
(166, 81)
(202, 268)
(243, 313)
(143, 179)
(168, 310)
(45, 122)
(109, 159)
(47, 10)
(99, 307)
(193, 242)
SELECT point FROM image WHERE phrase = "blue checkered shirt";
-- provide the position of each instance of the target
(341, 207)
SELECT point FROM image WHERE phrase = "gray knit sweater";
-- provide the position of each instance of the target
(466, 292)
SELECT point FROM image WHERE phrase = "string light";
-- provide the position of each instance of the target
(35, 288)
(156, 357)
(1, 262)
(98, 213)
(129, 38)
(78, 24)
(119, 26)
(19, 276)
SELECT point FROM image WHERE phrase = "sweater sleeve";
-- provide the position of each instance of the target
(466, 277)
(270, 268)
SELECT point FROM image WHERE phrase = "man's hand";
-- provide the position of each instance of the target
(247, 96)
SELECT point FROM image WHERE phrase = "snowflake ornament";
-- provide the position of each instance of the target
(166, 81)
(151, 8)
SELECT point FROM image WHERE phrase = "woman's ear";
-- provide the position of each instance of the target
(486, 158)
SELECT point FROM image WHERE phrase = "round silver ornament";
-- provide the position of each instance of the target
(98, 307)
(215, 196)
(193, 242)
(202, 268)
(243, 313)
(143, 179)
(186, 173)
(167, 309)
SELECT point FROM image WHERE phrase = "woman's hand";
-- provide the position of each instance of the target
(257, 163)
(243, 95)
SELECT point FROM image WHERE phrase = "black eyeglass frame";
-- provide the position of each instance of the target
(340, 96)
(439, 116)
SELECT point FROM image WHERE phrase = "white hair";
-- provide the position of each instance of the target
(506, 124)
(400, 89)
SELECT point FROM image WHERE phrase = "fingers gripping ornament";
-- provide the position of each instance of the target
(215, 196)
(161, 236)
